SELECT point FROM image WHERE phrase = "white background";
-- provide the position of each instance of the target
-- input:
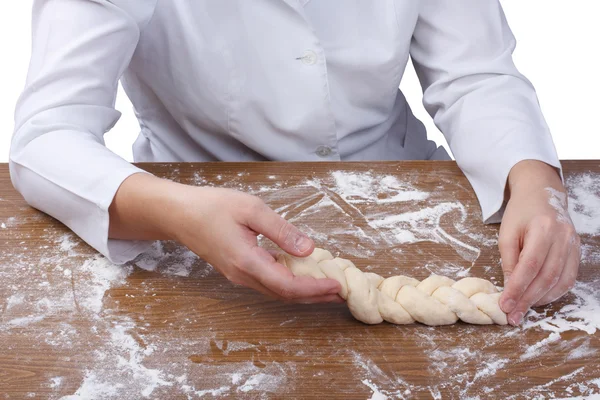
(558, 50)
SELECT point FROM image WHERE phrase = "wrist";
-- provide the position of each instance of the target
(530, 175)
(142, 208)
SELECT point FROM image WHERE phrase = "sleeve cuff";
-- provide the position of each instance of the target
(488, 171)
(78, 190)
(117, 251)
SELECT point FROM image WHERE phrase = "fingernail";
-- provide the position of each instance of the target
(334, 290)
(508, 305)
(303, 243)
(516, 319)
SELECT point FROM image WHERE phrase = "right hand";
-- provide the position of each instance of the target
(221, 226)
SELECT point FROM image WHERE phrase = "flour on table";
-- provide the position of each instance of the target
(377, 395)
(383, 211)
(177, 262)
(67, 242)
(584, 202)
(126, 361)
(582, 314)
(56, 382)
(535, 349)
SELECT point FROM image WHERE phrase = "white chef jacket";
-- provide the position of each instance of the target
(241, 80)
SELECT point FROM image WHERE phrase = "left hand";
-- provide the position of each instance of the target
(538, 244)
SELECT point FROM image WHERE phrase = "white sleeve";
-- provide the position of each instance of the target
(488, 111)
(58, 160)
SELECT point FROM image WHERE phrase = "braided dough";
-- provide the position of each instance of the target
(372, 299)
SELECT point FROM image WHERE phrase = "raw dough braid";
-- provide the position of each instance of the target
(372, 299)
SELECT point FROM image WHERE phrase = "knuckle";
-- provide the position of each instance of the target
(256, 204)
(550, 280)
(531, 265)
(253, 205)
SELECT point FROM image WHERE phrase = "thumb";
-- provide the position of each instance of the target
(281, 232)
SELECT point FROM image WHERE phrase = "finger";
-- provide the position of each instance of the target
(267, 222)
(567, 278)
(250, 282)
(545, 280)
(510, 248)
(280, 280)
(330, 298)
(531, 260)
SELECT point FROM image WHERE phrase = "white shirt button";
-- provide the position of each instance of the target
(323, 151)
(309, 57)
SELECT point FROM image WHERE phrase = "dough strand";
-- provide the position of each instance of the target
(437, 300)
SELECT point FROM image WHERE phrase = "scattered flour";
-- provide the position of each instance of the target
(584, 202)
(24, 321)
(535, 349)
(103, 275)
(56, 382)
(177, 261)
(582, 314)
(491, 368)
(93, 388)
(424, 225)
(380, 210)
(262, 381)
(14, 300)
(124, 360)
(366, 187)
(590, 254)
(67, 242)
(377, 395)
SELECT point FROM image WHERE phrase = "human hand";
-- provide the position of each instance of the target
(538, 244)
(222, 225)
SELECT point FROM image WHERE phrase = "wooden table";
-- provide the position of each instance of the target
(169, 326)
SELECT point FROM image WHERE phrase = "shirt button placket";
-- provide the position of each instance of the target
(310, 57)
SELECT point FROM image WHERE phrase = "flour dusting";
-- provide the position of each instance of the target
(582, 314)
(69, 301)
(377, 395)
(584, 202)
(380, 211)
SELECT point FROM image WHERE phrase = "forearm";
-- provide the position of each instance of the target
(144, 208)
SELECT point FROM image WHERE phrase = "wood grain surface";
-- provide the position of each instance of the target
(175, 328)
